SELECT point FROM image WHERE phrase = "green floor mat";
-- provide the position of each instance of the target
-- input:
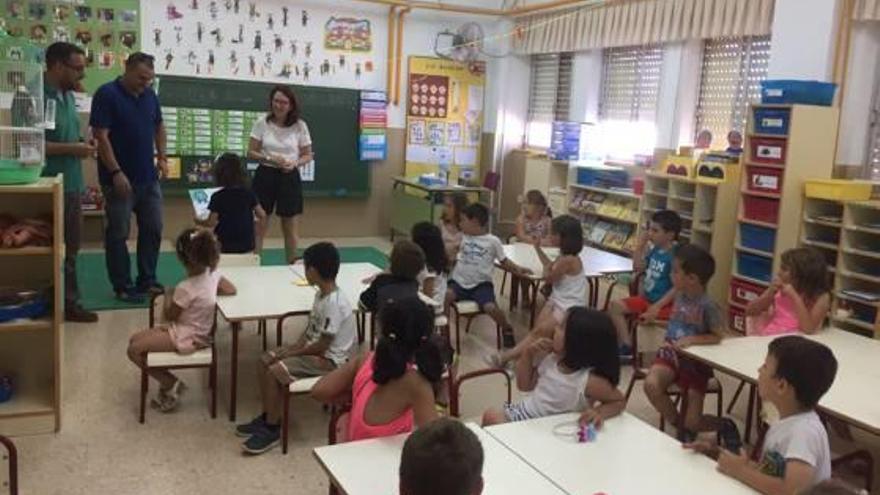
(97, 293)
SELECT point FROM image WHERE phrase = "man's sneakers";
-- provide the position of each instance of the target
(265, 438)
(77, 314)
(130, 295)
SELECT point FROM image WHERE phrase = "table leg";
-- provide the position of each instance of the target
(534, 286)
(233, 373)
(514, 291)
(750, 408)
(593, 288)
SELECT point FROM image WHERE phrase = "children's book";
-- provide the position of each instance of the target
(200, 199)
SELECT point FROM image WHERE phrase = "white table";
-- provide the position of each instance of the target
(370, 467)
(857, 371)
(270, 292)
(628, 457)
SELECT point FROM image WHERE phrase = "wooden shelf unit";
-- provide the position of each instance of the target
(614, 211)
(31, 350)
(707, 212)
(807, 152)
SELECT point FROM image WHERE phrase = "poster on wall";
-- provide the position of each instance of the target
(444, 117)
(107, 30)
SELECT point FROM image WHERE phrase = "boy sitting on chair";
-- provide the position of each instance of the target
(326, 344)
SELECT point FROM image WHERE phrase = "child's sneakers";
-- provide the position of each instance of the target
(167, 401)
(247, 429)
(264, 438)
(625, 352)
(507, 338)
(728, 436)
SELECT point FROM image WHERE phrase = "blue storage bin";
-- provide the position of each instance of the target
(753, 266)
(789, 91)
(772, 121)
(755, 237)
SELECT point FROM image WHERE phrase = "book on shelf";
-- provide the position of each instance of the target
(599, 231)
(862, 294)
(630, 244)
(617, 237)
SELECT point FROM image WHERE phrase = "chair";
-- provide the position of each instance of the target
(456, 383)
(338, 415)
(243, 260)
(202, 358)
(469, 310)
(10, 458)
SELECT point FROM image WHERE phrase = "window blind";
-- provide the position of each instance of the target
(732, 71)
(873, 166)
(549, 95)
(631, 83)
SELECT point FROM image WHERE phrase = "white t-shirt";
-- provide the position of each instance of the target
(332, 315)
(283, 141)
(440, 283)
(197, 297)
(556, 392)
(476, 259)
(799, 437)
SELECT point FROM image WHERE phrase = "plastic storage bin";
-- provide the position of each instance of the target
(764, 180)
(772, 120)
(755, 237)
(753, 266)
(839, 189)
(742, 292)
(768, 150)
(761, 209)
(737, 319)
(788, 91)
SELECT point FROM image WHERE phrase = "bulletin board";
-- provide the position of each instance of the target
(444, 116)
(107, 30)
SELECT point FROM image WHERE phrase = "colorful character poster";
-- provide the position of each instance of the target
(444, 117)
(346, 33)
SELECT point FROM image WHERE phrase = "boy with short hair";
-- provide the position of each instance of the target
(442, 458)
(407, 262)
(655, 293)
(326, 344)
(472, 276)
(694, 320)
(796, 373)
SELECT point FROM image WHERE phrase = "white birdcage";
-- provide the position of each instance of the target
(22, 114)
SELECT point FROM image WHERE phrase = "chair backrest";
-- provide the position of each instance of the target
(234, 260)
(491, 180)
(8, 464)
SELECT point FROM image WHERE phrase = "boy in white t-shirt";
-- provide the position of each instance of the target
(796, 373)
(326, 344)
(472, 276)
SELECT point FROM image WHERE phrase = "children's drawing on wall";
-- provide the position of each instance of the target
(428, 95)
(60, 33)
(349, 34)
(169, 58)
(62, 13)
(38, 33)
(172, 13)
(105, 60)
(128, 39)
(305, 18)
(106, 15)
(106, 39)
(128, 16)
(83, 13)
(37, 11)
(15, 10)
(83, 36)
(437, 133)
(454, 133)
(417, 130)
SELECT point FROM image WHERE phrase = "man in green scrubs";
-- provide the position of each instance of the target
(65, 149)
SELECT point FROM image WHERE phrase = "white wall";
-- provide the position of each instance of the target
(861, 86)
(803, 39)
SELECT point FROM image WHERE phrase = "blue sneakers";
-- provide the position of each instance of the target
(248, 429)
(264, 438)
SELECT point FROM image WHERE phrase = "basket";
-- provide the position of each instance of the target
(839, 189)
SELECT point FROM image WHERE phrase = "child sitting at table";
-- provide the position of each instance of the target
(407, 262)
(233, 208)
(577, 370)
(392, 389)
(434, 278)
(796, 373)
(655, 293)
(694, 320)
(188, 313)
(326, 345)
(569, 283)
(443, 458)
(472, 275)
(796, 300)
(450, 222)
(532, 226)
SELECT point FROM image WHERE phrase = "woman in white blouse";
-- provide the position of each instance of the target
(282, 144)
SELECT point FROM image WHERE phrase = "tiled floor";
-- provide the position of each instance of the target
(102, 449)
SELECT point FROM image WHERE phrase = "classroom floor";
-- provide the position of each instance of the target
(103, 449)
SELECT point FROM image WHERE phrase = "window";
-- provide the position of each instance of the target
(549, 95)
(872, 168)
(733, 69)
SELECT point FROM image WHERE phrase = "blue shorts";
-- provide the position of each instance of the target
(482, 294)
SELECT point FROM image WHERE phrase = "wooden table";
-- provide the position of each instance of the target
(597, 264)
(412, 202)
(628, 457)
(269, 292)
(370, 467)
(849, 397)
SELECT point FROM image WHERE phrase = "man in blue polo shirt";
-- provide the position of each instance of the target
(127, 122)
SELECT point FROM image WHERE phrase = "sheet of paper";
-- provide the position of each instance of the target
(307, 172)
(417, 132)
(475, 98)
(200, 199)
(420, 154)
(466, 157)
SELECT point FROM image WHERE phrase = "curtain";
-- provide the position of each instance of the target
(639, 22)
(867, 10)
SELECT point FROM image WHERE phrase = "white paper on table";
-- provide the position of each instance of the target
(465, 156)
(475, 98)
(200, 199)
(307, 172)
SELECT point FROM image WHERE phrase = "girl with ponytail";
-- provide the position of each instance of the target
(392, 389)
(188, 314)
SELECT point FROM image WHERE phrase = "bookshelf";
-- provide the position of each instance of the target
(770, 210)
(31, 350)
(610, 217)
(706, 207)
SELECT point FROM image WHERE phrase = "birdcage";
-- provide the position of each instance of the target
(22, 114)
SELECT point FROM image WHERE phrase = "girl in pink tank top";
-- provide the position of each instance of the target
(392, 389)
(797, 300)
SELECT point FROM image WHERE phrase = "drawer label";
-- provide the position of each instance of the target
(773, 122)
(770, 182)
(767, 151)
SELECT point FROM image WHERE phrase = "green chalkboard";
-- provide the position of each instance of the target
(331, 114)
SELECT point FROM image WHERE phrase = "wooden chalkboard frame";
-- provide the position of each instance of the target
(331, 114)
